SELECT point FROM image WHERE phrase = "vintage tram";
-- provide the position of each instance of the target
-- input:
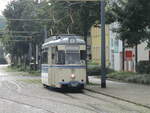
(63, 62)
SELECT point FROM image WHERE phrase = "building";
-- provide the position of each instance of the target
(114, 50)
(96, 44)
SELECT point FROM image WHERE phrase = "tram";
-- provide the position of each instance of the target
(63, 62)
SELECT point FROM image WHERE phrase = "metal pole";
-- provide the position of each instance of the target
(30, 54)
(45, 32)
(123, 55)
(103, 57)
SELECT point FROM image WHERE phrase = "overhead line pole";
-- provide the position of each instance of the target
(103, 54)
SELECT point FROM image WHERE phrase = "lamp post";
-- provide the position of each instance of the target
(103, 56)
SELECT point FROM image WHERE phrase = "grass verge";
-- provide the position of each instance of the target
(130, 77)
(31, 81)
(22, 71)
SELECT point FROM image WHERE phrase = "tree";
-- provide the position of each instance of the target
(133, 18)
(21, 9)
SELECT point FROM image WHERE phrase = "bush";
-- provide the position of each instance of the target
(121, 75)
(3, 61)
(130, 77)
(96, 70)
(142, 79)
(143, 67)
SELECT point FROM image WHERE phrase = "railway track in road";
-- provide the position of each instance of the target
(92, 95)
(121, 99)
(85, 105)
(22, 103)
(46, 99)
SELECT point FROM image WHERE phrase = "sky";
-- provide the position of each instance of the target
(3, 4)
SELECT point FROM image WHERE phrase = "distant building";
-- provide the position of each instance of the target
(96, 44)
(114, 50)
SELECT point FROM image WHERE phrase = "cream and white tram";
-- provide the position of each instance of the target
(63, 62)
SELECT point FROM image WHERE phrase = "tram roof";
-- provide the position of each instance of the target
(63, 40)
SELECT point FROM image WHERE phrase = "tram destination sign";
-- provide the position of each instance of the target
(72, 47)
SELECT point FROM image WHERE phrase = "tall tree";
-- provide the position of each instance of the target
(133, 18)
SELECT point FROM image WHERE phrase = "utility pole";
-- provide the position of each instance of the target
(85, 28)
(103, 56)
(30, 52)
(45, 32)
(123, 55)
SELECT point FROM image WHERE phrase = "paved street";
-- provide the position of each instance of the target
(25, 94)
(136, 93)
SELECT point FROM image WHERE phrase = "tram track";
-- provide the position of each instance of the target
(22, 103)
(47, 99)
(89, 107)
(117, 98)
(102, 99)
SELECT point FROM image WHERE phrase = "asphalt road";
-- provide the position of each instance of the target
(25, 94)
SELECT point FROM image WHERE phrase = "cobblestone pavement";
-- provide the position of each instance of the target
(21, 94)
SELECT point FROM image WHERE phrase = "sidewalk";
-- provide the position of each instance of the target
(139, 94)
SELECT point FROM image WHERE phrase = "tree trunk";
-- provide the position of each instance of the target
(123, 55)
(136, 56)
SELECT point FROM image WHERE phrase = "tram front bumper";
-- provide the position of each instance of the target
(72, 84)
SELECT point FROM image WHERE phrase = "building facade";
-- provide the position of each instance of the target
(114, 50)
(96, 44)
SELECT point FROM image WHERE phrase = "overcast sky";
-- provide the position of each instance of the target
(3, 4)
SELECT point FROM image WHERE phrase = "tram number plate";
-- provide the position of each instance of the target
(74, 84)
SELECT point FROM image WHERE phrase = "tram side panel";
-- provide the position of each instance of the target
(45, 74)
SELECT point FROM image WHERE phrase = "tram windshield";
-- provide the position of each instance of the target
(72, 58)
(69, 57)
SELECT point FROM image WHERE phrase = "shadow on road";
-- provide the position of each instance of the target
(64, 90)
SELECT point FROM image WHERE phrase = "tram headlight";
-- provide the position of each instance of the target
(73, 76)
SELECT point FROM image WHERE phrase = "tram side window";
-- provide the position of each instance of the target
(58, 57)
(45, 58)
(61, 57)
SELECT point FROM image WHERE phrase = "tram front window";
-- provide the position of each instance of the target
(72, 58)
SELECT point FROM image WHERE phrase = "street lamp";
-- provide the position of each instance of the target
(103, 56)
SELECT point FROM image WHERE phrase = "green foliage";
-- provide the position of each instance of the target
(121, 75)
(23, 71)
(92, 63)
(60, 18)
(96, 70)
(133, 18)
(2, 61)
(130, 77)
(143, 67)
(141, 79)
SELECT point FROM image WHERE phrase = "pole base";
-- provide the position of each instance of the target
(103, 85)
